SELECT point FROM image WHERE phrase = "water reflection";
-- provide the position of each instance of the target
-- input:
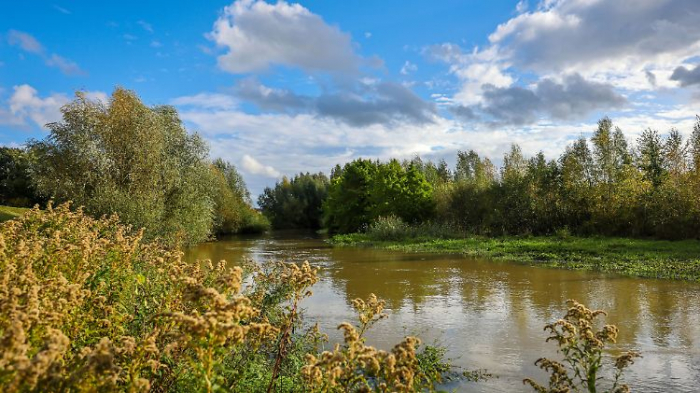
(490, 314)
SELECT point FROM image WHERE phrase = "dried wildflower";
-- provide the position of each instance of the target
(582, 348)
(355, 366)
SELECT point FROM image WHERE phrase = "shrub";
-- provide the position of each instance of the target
(393, 228)
(582, 347)
(364, 190)
(295, 203)
(356, 367)
(389, 228)
(87, 305)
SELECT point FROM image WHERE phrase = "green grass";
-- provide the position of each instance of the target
(633, 257)
(8, 213)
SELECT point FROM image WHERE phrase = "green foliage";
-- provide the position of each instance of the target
(349, 205)
(394, 228)
(16, 188)
(608, 189)
(296, 203)
(365, 190)
(8, 212)
(600, 186)
(232, 210)
(634, 257)
(88, 305)
(400, 191)
(140, 162)
(651, 160)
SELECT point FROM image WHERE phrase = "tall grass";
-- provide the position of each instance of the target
(393, 228)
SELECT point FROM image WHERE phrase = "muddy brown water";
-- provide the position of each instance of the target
(490, 315)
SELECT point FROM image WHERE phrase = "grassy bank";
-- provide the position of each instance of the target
(8, 213)
(633, 257)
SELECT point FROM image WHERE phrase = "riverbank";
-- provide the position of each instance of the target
(678, 260)
(8, 212)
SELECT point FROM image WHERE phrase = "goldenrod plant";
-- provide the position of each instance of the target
(583, 367)
(88, 305)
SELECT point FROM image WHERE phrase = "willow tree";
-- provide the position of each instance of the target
(127, 158)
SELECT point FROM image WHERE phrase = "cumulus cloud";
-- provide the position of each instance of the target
(206, 101)
(254, 167)
(25, 41)
(572, 98)
(463, 113)
(686, 77)
(25, 105)
(385, 103)
(266, 98)
(630, 44)
(363, 105)
(258, 35)
(562, 35)
(28, 43)
(292, 143)
(295, 142)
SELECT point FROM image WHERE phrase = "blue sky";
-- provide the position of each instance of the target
(282, 87)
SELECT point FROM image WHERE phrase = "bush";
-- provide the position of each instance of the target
(363, 190)
(16, 188)
(295, 203)
(395, 229)
(254, 222)
(582, 368)
(87, 305)
(232, 211)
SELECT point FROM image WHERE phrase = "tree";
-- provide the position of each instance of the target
(675, 154)
(297, 203)
(16, 188)
(604, 151)
(348, 207)
(651, 160)
(365, 190)
(694, 147)
(127, 158)
(443, 171)
(401, 192)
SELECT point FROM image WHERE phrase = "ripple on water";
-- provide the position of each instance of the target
(489, 315)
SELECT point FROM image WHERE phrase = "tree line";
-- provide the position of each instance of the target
(136, 161)
(602, 185)
(140, 162)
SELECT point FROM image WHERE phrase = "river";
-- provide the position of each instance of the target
(488, 314)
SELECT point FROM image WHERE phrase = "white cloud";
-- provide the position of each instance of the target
(25, 41)
(25, 103)
(408, 68)
(254, 167)
(61, 9)
(290, 143)
(206, 101)
(614, 41)
(25, 106)
(66, 66)
(146, 26)
(258, 35)
(28, 43)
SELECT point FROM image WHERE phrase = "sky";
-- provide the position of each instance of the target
(279, 88)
